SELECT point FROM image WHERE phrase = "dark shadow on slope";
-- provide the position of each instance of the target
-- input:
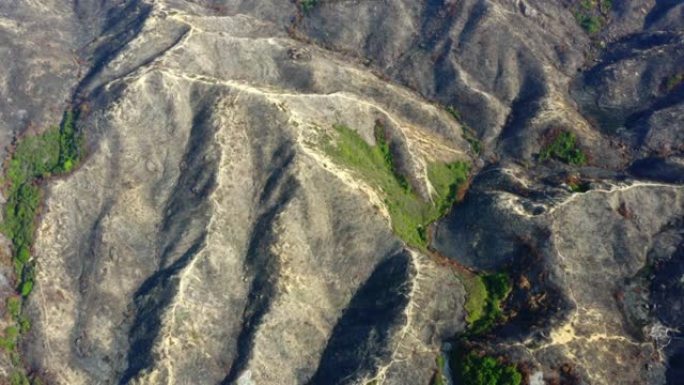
(360, 340)
(436, 22)
(151, 300)
(590, 88)
(536, 304)
(186, 217)
(667, 292)
(658, 169)
(661, 8)
(638, 122)
(452, 91)
(87, 267)
(476, 16)
(526, 105)
(123, 24)
(260, 263)
(188, 208)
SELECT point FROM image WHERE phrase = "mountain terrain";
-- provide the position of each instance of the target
(342, 192)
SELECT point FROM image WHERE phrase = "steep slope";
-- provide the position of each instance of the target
(220, 232)
(217, 241)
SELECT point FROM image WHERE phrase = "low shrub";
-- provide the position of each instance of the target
(470, 368)
(564, 148)
(485, 305)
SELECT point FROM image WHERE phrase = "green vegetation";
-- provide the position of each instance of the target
(592, 14)
(468, 133)
(578, 187)
(70, 144)
(438, 378)
(35, 158)
(307, 5)
(673, 81)
(485, 295)
(13, 306)
(454, 112)
(475, 143)
(9, 340)
(446, 178)
(605, 5)
(26, 287)
(473, 369)
(410, 213)
(564, 148)
(476, 297)
(591, 23)
(483, 305)
(19, 378)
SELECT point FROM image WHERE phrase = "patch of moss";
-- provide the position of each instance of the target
(410, 214)
(564, 148)
(470, 368)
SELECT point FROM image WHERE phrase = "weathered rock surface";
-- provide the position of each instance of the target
(208, 239)
(595, 248)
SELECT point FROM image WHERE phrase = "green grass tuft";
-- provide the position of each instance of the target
(476, 297)
(410, 214)
(24, 324)
(9, 340)
(19, 378)
(13, 306)
(446, 178)
(564, 148)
